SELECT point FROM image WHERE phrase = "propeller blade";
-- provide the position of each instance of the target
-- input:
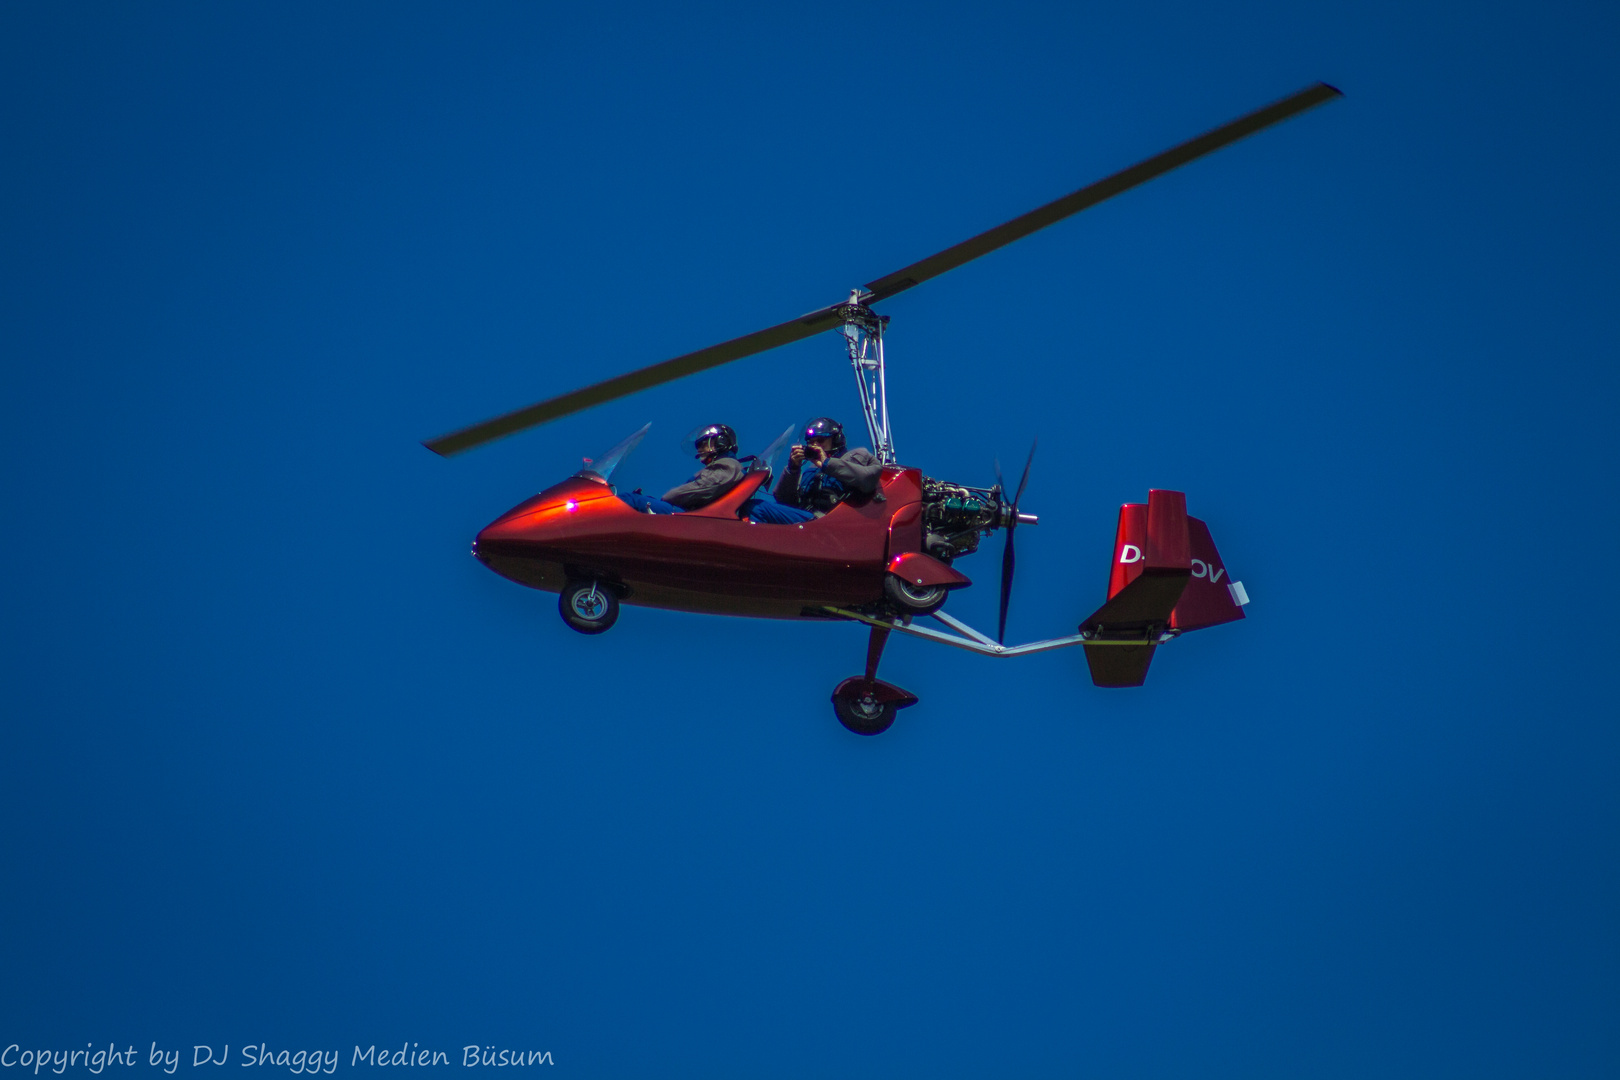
(782, 334)
(1018, 498)
(1089, 196)
(1006, 587)
(1007, 558)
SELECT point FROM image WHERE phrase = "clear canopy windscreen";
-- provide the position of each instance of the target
(770, 459)
(602, 466)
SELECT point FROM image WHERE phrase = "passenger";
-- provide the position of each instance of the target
(819, 475)
(716, 447)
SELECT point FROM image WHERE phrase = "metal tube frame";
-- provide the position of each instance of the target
(970, 639)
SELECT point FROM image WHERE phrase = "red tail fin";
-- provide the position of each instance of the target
(1166, 574)
(1211, 597)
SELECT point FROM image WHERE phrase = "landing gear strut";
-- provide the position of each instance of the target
(862, 703)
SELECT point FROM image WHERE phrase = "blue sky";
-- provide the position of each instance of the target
(284, 765)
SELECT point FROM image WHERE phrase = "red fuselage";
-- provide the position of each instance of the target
(710, 560)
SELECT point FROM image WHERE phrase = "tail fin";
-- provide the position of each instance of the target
(1166, 574)
(1212, 597)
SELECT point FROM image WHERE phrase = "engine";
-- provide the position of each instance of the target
(956, 518)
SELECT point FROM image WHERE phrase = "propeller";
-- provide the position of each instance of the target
(882, 288)
(1007, 559)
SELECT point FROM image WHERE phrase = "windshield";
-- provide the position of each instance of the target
(601, 467)
(769, 459)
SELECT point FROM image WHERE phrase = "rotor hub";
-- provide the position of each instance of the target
(858, 315)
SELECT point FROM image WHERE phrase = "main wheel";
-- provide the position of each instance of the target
(914, 599)
(863, 714)
(588, 606)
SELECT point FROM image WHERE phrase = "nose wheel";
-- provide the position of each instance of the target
(588, 606)
(862, 703)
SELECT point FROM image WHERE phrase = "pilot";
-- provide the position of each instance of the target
(820, 474)
(716, 448)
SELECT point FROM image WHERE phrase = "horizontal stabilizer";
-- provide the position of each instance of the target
(1148, 601)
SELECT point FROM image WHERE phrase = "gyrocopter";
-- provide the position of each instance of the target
(885, 560)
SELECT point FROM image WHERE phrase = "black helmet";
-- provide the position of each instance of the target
(825, 427)
(725, 440)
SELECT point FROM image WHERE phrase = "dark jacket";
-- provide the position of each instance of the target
(819, 488)
(712, 481)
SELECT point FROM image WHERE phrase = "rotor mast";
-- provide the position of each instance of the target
(863, 337)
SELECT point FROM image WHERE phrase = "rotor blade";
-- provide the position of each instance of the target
(1018, 498)
(1089, 196)
(782, 334)
(1006, 584)
(828, 317)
